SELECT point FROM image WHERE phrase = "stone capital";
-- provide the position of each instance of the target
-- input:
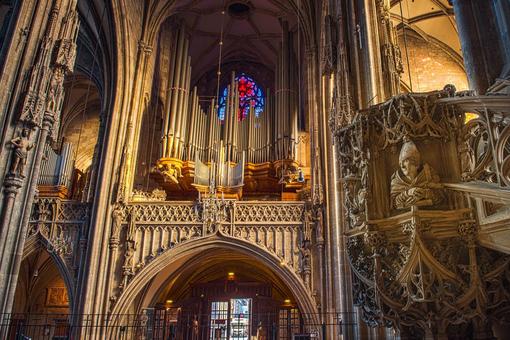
(12, 185)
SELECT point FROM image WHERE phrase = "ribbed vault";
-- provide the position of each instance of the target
(432, 19)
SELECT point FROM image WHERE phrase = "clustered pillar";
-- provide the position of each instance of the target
(486, 52)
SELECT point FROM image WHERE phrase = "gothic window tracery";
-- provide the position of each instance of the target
(250, 95)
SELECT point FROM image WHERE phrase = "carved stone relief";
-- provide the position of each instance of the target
(413, 249)
(415, 183)
(21, 145)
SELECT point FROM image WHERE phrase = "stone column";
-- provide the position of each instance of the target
(380, 60)
(480, 41)
(502, 11)
(94, 287)
(369, 53)
(134, 124)
(36, 114)
(17, 228)
(338, 288)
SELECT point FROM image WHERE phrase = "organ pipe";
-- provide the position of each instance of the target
(194, 100)
(191, 131)
(184, 116)
(176, 86)
(166, 121)
(183, 92)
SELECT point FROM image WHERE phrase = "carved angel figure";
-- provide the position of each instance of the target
(171, 173)
(22, 145)
(414, 183)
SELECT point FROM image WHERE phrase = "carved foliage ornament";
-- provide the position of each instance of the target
(482, 144)
(328, 40)
(45, 94)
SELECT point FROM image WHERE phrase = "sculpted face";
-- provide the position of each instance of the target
(409, 168)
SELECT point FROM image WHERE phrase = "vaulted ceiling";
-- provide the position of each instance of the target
(251, 30)
(431, 19)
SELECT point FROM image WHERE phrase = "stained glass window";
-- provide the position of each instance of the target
(250, 94)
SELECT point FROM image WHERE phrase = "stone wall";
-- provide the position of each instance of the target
(431, 66)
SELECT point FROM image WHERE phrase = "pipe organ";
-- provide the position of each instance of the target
(199, 131)
(56, 174)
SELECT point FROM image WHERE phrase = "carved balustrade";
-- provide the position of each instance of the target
(142, 231)
(413, 237)
(484, 152)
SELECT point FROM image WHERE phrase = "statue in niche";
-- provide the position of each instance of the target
(127, 267)
(55, 90)
(306, 262)
(414, 183)
(319, 225)
(22, 145)
(117, 216)
(307, 227)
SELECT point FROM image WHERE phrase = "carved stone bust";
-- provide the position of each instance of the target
(414, 183)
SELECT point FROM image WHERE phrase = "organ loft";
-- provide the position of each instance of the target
(254, 169)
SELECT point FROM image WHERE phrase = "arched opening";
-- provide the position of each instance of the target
(217, 289)
(68, 163)
(42, 301)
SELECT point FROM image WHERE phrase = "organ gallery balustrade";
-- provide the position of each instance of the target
(150, 229)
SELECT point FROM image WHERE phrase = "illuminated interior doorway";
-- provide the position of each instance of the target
(230, 320)
(222, 294)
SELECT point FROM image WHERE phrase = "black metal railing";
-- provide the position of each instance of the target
(158, 325)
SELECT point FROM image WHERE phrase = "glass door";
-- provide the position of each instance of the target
(289, 323)
(240, 319)
(230, 320)
(219, 320)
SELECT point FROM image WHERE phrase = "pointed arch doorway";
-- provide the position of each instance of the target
(43, 297)
(220, 289)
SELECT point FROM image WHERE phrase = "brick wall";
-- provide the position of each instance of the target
(431, 67)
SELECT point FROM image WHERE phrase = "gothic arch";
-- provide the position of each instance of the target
(38, 241)
(189, 249)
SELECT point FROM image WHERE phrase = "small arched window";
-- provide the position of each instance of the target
(250, 94)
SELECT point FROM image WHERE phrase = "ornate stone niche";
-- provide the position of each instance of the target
(411, 239)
